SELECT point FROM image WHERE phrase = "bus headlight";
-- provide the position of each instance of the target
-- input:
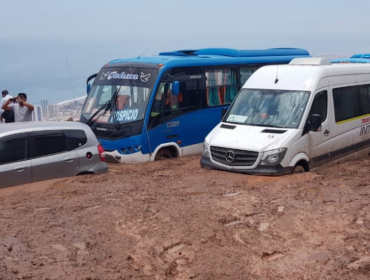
(205, 151)
(273, 157)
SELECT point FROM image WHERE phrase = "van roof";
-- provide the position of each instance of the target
(308, 76)
(11, 128)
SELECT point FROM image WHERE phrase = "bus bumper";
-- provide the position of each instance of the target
(269, 170)
(116, 157)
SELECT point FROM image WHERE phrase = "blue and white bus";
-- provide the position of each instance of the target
(356, 58)
(149, 108)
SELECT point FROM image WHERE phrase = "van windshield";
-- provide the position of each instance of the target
(273, 108)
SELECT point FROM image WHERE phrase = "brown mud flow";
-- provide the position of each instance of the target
(173, 220)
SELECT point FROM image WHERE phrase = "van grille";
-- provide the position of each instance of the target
(233, 157)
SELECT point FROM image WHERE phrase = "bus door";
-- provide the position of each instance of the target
(175, 115)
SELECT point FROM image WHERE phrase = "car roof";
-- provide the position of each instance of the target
(12, 128)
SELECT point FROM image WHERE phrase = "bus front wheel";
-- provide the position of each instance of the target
(163, 154)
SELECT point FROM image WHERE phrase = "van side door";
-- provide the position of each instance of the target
(53, 156)
(319, 145)
(15, 167)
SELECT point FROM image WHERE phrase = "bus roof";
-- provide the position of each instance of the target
(219, 56)
(356, 58)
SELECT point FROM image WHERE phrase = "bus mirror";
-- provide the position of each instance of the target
(315, 122)
(89, 82)
(175, 87)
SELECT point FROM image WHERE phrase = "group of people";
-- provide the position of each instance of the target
(15, 109)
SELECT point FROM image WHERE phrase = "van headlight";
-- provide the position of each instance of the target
(205, 151)
(273, 157)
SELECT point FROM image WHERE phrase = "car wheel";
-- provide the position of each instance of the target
(163, 154)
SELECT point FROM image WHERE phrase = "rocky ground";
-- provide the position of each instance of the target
(173, 220)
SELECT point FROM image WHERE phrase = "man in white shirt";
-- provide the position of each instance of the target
(21, 108)
(6, 116)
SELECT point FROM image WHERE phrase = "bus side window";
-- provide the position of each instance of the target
(221, 86)
(246, 72)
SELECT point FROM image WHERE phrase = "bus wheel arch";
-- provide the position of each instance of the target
(166, 153)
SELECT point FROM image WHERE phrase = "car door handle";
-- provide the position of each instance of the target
(70, 159)
(20, 168)
(326, 132)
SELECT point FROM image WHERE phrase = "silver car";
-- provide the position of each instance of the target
(35, 151)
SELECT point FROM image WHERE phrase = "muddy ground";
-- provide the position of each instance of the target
(173, 220)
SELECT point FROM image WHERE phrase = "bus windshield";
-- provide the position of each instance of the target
(272, 108)
(119, 95)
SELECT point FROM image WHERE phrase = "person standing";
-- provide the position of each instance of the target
(21, 108)
(8, 116)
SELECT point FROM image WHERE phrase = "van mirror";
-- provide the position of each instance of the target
(315, 122)
(175, 87)
(223, 112)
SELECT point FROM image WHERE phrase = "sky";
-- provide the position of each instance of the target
(48, 48)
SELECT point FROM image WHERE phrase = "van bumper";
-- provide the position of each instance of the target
(270, 170)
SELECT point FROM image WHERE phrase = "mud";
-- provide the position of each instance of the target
(173, 220)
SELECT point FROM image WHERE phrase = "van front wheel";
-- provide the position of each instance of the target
(298, 169)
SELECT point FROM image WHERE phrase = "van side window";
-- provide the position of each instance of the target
(221, 86)
(49, 143)
(351, 102)
(13, 149)
(76, 137)
(320, 105)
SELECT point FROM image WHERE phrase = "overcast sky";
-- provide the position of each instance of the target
(45, 42)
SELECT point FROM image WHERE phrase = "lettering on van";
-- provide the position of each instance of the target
(365, 120)
(115, 75)
(365, 129)
(127, 115)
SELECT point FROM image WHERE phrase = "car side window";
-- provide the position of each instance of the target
(76, 137)
(13, 149)
(49, 143)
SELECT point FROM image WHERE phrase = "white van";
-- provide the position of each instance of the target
(292, 118)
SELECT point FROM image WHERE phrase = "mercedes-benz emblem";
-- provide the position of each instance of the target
(230, 156)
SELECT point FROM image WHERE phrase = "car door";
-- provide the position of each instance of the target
(52, 156)
(15, 167)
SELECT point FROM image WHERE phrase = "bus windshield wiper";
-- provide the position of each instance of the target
(113, 108)
(104, 106)
(110, 104)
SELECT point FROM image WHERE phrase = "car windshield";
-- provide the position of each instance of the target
(273, 108)
(119, 95)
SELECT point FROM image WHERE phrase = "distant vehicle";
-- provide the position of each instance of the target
(356, 58)
(35, 151)
(291, 118)
(150, 108)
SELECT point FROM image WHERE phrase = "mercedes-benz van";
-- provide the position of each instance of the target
(292, 118)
